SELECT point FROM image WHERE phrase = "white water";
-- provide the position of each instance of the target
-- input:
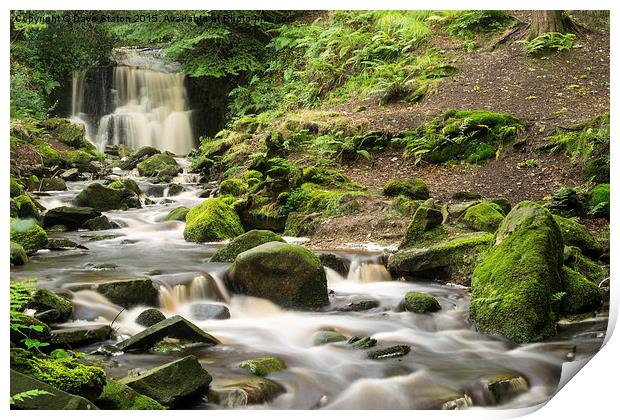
(150, 105)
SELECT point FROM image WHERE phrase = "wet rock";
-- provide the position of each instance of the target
(161, 164)
(72, 174)
(118, 396)
(263, 366)
(24, 207)
(179, 214)
(102, 198)
(140, 155)
(98, 223)
(212, 220)
(289, 275)
(18, 255)
(400, 350)
(512, 287)
(362, 342)
(243, 390)
(71, 217)
(498, 389)
(44, 300)
(129, 292)
(335, 262)
(150, 317)
(52, 184)
(360, 305)
(204, 311)
(175, 189)
(326, 337)
(421, 303)
(81, 336)
(55, 400)
(483, 216)
(108, 350)
(244, 242)
(424, 219)
(61, 244)
(172, 384)
(173, 327)
(43, 335)
(48, 316)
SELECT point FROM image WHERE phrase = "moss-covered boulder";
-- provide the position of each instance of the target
(98, 223)
(172, 384)
(102, 198)
(66, 132)
(599, 204)
(130, 291)
(484, 216)
(421, 303)
(575, 260)
(242, 243)
(581, 295)
(52, 184)
(412, 188)
(118, 396)
(289, 275)
(150, 317)
(513, 287)
(24, 207)
(18, 255)
(28, 234)
(263, 366)
(71, 217)
(44, 300)
(212, 220)
(125, 184)
(575, 234)
(233, 186)
(424, 219)
(178, 214)
(70, 376)
(16, 188)
(55, 399)
(161, 164)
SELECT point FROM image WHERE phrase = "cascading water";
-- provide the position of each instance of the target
(143, 102)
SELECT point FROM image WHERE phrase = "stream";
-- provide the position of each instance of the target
(447, 355)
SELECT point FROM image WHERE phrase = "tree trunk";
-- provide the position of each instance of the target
(546, 21)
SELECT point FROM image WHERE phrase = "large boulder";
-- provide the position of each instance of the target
(18, 254)
(102, 198)
(71, 217)
(513, 287)
(118, 396)
(161, 164)
(424, 219)
(242, 243)
(130, 291)
(54, 399)
(28, 234)
(212, 220)
(289, 275)
(53, 184)
(581, 295)
(483, 216)
(575, 234)
(421, 303)
(172, 384)
(173, 327)
(80, 336)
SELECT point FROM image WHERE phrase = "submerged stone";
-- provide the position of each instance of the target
(498, 388)
(240, 391)
(421, 303)
(326, 337)
(360, 305)
(390, 352)
(263, 366)
(204, 311)
(362, 342)
(178, 214)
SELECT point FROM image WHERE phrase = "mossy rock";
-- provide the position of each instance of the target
(24, 207)
(483, 216)
(53, 184)
(49, 156)
(574, 259)
(81, 158)
(178, 214)
(575, 234)
(70, 376)
(161, 164)
(17, 189)
(582, 295)
(252, 174)
(289, 275)
(71, 217)
(44, 300)
(64, 131)
(424, 219)
(32, 328)
(125, 184)
(421, 302)
(513, 287)
(263, 366)
(118, 396)
(212, 220)
(503, 203)
(242, 243)
(325, 336)
(28, 234)
(98, 223)
(18, 255)
(150, 317)
(102, 198)
(412, 188)
(600, 201)
(233, 186)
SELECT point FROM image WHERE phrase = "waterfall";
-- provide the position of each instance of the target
(142, 101)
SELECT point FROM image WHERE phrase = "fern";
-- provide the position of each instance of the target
(21, 396)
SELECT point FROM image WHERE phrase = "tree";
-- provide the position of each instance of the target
(544, 21)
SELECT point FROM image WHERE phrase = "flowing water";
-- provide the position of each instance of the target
(448, 357)
(138, 102)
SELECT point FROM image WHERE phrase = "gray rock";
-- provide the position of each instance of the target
(69, 216)
(61, 244)
(203, 311)
(130, 291)
(98, 223)
(240, 391)
(81, 336)
(400, 350)
(150, 317)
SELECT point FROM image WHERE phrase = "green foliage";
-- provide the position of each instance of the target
(581, 141)
(599, 204)
(28, 234)
(567, 202)
(309, 198)
(465, 23)
(550, 41)
(32, 393)
(68, 375)
(528, 163)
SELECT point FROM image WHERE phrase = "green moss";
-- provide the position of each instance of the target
(53, 184)
(599, 201)
(503, 203)
(582, 295)
(70, 376)
(179, 214)
(18, 255)
(412, 188)
(102, 198)
(28, 234)
(49, 156)
(43, 300)
(16, 188)
(421, 302)
(242, 243)
(25, 207)
(575, 234)
(233, 186)
(161, 164)
(125, 184)
(512, 287)
(81, 157)
(252, 174)
(405, 206)
(263, 366)
(483, 216)
(323, 176)
(309, 198)
(118, 396)
(423, 220)
(574, 259)
(212, 220)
